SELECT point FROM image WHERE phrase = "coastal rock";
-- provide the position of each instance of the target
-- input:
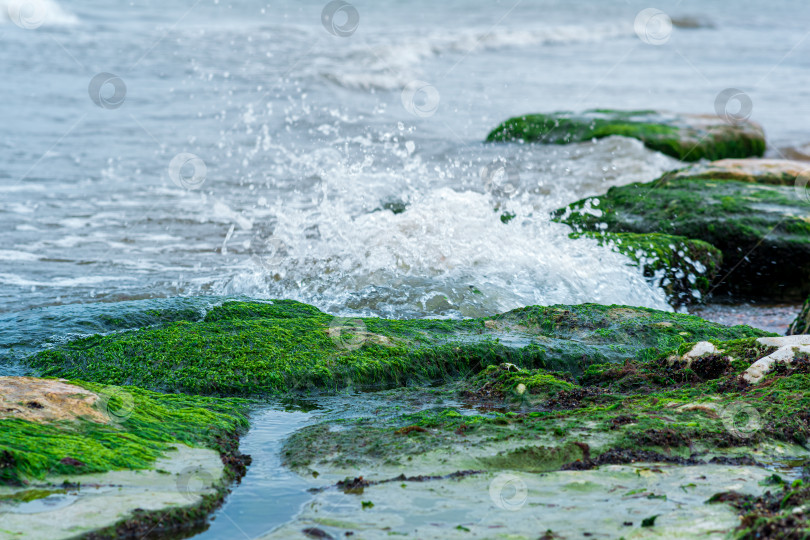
(687, 137)
(475, 424)
(788, 349)
(111, 461)
(757, 356)
(47, 400)
(799, 152)
(499, 449)
(254, 348)
(682, 267)
(779, 172)
(802, 323)
(762, 228)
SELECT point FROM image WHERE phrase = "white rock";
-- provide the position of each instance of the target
(789, 346)
(785, 341)
(701, 348)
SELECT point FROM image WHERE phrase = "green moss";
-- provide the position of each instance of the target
(535, 381)
(762, 230)
(684, 268)
(534, 458)
(152, 424)
(506, 217)
(678, 136)
(251, 348)
(612, 410)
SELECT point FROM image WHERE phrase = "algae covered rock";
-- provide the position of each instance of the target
(149, 461)
(683, 136)
(802, 323)
(631, 444)
(752, 358)
(252, 348)
(762, 229)
(778, 513)
(682, 267)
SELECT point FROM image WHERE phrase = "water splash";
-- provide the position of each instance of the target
(448, 254)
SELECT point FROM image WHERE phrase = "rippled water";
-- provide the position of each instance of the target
(302, 138)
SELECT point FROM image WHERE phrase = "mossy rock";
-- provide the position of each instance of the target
(254, 348)
(98, 461)
(762, 229)
(781, 512)
(753, 359)
(802, 323)
(682, 267)
(673, 409)
(508, 379)
(61, 427)
(665, 422)
(511, 428)
(685, 137)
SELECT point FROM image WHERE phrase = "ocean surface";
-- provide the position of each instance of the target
(162, 149)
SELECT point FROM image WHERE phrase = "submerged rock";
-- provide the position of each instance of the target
(250, 348)
(761, 227)
(111, 461)
(612, 502)
(682, 267)
(683, 136)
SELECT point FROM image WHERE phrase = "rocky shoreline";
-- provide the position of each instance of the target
(659, 422)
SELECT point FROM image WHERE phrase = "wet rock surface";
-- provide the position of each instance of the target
(801, 325)
(683, 268)
(688, 137)
(510, 424)
(259, 348)
(85, 460)
(749, 210)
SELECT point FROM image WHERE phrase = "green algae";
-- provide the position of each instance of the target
(683, 137)
(253, 348)
(778, 513)
(654, 409)
(683, 267)
(762, 230)
(500, 381)
(144, 426)
(534, 458)
(29, 495)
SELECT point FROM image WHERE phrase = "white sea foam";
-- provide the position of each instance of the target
(14, 279)
(448, 254)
